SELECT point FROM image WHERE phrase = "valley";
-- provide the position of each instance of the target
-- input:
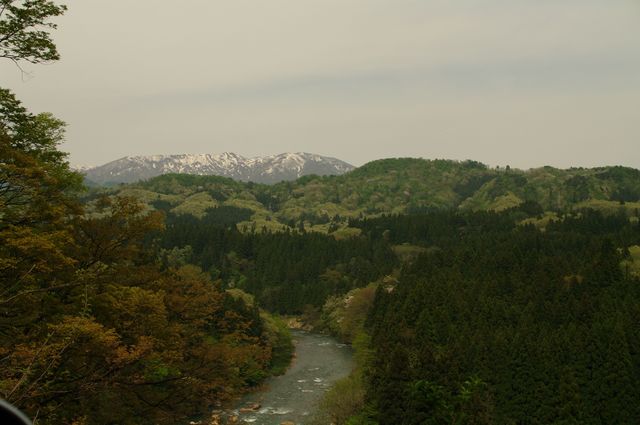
(296, 288)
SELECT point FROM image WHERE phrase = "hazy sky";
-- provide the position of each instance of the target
(519, 82)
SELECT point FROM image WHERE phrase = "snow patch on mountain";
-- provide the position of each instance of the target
(267, 169)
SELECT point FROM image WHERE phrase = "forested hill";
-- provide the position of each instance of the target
(503, 324)
(394, 186)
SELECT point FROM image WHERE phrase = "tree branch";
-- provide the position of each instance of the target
(35, 291)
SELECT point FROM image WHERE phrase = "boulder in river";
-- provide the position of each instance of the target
(215, 419)
(250, 407)
(298, 324)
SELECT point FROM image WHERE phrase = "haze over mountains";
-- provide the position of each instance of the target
(267, 169)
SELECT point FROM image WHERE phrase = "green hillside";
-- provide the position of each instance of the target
(394, 186)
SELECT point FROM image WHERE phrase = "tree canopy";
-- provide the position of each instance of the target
(24, 30)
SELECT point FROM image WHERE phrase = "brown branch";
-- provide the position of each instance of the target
(15, 388)
(34, 291)
(19, 280)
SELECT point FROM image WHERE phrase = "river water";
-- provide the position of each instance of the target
(320, 361)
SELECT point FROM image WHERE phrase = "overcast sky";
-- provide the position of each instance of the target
(519, 82)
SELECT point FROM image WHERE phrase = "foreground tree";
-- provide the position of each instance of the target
(93, 329)
(24, 26)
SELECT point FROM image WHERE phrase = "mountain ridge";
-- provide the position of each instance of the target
(396, 186)
(262, 169)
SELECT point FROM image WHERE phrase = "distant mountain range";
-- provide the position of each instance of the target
(267, 169)
(397, 186)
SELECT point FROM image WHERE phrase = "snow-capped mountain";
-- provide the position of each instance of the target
(267, 169)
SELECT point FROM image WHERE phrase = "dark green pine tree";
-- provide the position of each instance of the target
(427, 404)
(392, 390)
(569, 408)
(619, 393)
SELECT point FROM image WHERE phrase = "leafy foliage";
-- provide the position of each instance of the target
(93, 329)
(24, 26)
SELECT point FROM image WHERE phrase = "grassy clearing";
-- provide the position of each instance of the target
(196, 205)
(610, 207)
(407, 253)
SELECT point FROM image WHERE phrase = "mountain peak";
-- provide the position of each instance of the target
(266, 169)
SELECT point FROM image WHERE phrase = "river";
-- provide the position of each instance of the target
(319, 362)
